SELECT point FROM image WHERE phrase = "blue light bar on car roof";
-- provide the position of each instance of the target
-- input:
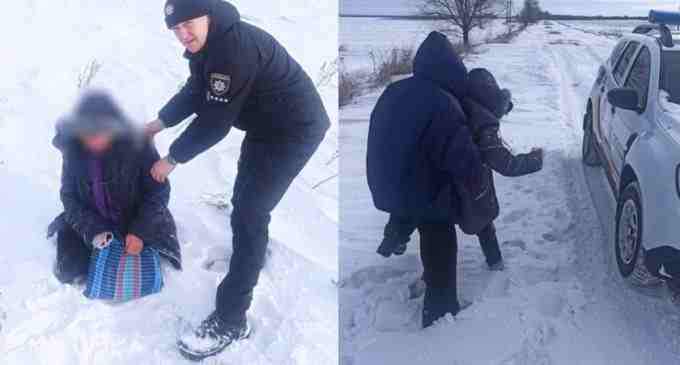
(664, 17)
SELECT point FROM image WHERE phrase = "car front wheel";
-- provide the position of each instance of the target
(628, 241)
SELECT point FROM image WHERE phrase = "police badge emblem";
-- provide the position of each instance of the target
(219, 84)
(169, 10)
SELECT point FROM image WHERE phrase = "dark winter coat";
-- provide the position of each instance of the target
(485, 105)
(485, 130)
(243, 78)
(137, 199)
(418, 142)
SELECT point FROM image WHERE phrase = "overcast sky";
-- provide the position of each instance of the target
(578, 7)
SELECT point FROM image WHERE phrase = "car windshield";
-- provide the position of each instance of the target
(670, 75)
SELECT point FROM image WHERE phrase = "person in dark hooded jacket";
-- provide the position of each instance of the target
(244, 78)
(418, 145)
(485, 104)
(106, 189)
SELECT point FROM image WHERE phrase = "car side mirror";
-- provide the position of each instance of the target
(625, 98)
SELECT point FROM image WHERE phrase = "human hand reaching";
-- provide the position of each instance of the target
(133, 244)
(153, 128)
(161, 170)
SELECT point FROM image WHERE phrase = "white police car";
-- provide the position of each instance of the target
(632, 130)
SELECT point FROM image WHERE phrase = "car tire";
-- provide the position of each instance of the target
(628, 238)
(589, 150)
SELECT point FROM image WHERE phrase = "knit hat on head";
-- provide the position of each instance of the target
(178, 11)
(483, 88)
(96, 112)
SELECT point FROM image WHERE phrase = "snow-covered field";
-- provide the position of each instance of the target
(361, 36)
(560, 299)
(43, 322)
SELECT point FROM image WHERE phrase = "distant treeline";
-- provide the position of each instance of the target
(544, 16)
(405, 17)
(549, 16)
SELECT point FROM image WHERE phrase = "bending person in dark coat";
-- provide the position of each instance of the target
(241, 77)
(418, 145)
(107, 190)
(486, 103)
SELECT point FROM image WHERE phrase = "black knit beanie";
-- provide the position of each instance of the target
(96, 112)
(178, 11)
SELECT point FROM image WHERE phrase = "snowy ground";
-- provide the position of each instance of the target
(43, 322)
(560, 300)
(361, 36)
(608, 28)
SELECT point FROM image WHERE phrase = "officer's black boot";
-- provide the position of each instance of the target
(211, 337)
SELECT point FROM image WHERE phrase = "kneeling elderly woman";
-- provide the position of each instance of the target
(107, 191)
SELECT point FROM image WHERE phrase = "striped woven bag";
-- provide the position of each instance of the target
(117, 276)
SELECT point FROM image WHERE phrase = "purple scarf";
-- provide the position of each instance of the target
(102, 199)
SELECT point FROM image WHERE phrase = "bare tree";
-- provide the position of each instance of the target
(531, 12)
(463, 15)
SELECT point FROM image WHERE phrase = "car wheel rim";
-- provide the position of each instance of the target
(629, 228)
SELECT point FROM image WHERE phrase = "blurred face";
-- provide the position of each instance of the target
(193, 33)
(97, 143)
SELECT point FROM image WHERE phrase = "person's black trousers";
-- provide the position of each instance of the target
(489, 242)
(439, 254)
(398, 231)
(266, 170)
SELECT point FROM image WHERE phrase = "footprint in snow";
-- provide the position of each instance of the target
(498, 286)
(516, 243)
(372, 275)
(395, 315)
(515, 216)
(538, 255)
(533, 275)
(218, 260)
(534, 347)
(550, 236)
(552, 305)
(215, 265)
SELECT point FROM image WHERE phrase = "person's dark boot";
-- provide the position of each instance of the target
(211, 337)
(438, 303)
(497, 266)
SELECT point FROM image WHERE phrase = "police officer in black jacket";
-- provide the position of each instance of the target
(241, 77)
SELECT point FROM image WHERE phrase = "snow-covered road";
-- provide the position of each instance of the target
(294, 313)
(560, 300)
